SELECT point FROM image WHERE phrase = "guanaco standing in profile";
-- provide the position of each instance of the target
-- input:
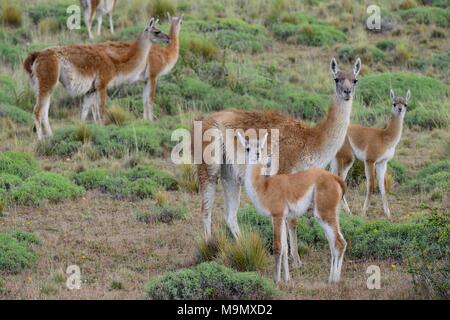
(375, 147)
(287, 196)
(93, 8)
(161, 61)
(300, 147)
(86, 70)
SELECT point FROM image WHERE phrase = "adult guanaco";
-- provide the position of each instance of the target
(375, 147)
(287, 196)
(93, 8)
(300, 147)
(86, 70)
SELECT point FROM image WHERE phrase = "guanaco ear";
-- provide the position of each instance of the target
(334, 68)
(392, 94)
(151, 24)
(357, 67)
(408, 95)
(263, 141)
(241, 139)
(169, 17)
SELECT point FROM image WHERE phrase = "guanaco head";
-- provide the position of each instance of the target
(253, 148)
(175, 24)
(399, 104)
(153, 34)
(345, 81)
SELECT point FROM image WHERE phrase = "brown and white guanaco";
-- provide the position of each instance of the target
(285, 197)
(86, 70)
(375, 147)
(300, 147)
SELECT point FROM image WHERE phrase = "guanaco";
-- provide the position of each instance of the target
(161, 60)
(86, 70)
(287, 196)
(375, 147)
(93, 8)
(300, 147)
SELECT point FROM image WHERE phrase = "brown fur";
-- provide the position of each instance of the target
(375, 142)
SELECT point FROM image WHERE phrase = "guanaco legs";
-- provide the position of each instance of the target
(98, 8)
(300, 147)
(86, 70)
(287, 196)
(375, 147)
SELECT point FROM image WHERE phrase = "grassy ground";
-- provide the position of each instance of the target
(221, 66)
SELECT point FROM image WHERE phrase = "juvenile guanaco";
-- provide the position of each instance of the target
(375, 147)
(287, 196)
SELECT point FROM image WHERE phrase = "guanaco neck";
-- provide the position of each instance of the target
(393, 131)
(329, 135)
(255, 186)
(174, 44)
(135, 57)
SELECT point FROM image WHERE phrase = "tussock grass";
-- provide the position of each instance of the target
(11, 16)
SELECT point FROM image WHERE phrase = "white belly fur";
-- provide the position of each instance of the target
(298, 208)
(73, 81)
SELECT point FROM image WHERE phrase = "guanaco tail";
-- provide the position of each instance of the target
(375, 147)
(285, 197)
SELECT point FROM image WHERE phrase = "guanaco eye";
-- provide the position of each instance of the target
(406, 106)
(394, 105)
(355, 81)
(157, 32)
(336, 80)
(247, 149)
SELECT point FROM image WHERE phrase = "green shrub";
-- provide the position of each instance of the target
(368, 54)
(430, 276)
(196, 50)
(45, 186)
(138, 182)
(398, 171)
(111, 140)
(366, 239)
(428, 15)
(14, 113)
(10, 54)
(18, 163)
(15, 251)
(386, 45)
(210, 281)
(312, 34)
(434, 176)
(41, 12)
(164, 213)
(8, 182)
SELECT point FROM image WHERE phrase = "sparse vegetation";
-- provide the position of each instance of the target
(210, 281)
(164, 213)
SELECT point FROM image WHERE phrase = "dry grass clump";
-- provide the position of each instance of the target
(187, 178)
(11, 16)
(117, 116)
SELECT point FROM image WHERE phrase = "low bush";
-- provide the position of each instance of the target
(433, 176)
(210, 281)
(366, 239)
(195, 50)
(16, 253)
(111, 140)
(164, 213)
(368, 54)
(44, 186)
(138, 182)
(308, 31)
(18, 163)
(14, 113)
(428, 15)
(10, 54)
